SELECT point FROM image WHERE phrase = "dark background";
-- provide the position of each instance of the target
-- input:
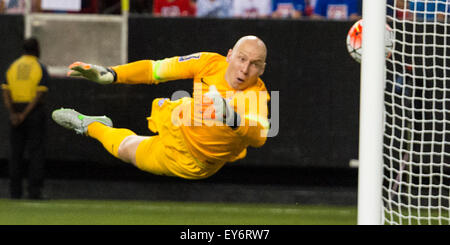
(307, 63)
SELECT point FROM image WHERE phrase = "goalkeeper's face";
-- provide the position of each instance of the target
(247, 61)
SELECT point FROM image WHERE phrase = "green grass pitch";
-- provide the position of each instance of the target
(114, 212)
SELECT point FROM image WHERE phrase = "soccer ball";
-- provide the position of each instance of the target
(354, 40)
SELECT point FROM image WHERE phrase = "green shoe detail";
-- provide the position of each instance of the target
(74, 120)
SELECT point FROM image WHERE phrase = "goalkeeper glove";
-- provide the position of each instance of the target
(95, 73)
(222, 110)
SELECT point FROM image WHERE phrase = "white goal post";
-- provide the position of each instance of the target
(371, 113)
(404, 147)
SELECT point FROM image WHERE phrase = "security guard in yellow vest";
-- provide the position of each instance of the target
(23, 93)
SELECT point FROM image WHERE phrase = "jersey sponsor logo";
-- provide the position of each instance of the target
(188, 57)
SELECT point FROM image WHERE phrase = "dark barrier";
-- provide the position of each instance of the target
(307, 63)
(11, 39)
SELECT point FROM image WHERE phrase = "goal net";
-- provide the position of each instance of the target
(91, 38)
(416, 150)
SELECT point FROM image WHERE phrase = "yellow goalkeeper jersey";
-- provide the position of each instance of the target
(208, 140)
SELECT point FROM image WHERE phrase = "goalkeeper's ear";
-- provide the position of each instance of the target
(230, 52)
(263, 68)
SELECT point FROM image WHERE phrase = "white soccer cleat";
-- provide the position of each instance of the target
(72, 119)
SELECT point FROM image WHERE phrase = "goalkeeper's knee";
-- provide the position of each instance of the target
(128, 146)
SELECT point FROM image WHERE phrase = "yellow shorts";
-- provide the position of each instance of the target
(167, 153)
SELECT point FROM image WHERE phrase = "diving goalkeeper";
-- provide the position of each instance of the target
(195, 136)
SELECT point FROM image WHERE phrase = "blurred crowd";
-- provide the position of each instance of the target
(288, 9)
(424, 10)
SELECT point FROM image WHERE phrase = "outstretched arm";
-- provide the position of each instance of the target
(144, 71)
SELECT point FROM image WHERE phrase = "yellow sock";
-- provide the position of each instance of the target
(109, 137)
